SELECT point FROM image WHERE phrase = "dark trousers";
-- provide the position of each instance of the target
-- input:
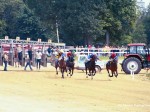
(38, 63)
(28, 64)
(5, 65)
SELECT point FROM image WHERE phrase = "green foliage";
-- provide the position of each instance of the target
(79, 21)
(18, 20)
(146, 23)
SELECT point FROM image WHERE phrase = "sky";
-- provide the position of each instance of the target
(146, 2)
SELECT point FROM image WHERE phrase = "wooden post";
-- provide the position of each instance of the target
(6, 37)
(44, 56)
(1, 55)
(11, 54)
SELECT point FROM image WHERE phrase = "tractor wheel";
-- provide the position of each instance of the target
(131, 64)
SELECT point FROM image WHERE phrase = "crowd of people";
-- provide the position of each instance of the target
(59, 54)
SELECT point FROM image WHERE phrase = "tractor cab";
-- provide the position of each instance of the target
(139, 51)
(137, 57)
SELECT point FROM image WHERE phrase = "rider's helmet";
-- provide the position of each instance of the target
(113, 55)
(61, 51)
(90, 55)
(68, 54)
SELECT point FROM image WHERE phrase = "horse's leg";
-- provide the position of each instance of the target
(62, 72)
(56, 70)
(86, 72)
(72, 71)
(67, 70)
(92, 73)
(108, 72)
(112, 72)
(116, 74)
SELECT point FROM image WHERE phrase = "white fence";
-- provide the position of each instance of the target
(101, 53)
(98, 51)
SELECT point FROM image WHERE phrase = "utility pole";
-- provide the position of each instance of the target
(57, 33)
(107, 38)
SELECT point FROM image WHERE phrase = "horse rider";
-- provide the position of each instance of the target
(70, 57)
(90, 56)
(50, 50)
(113, 57)
(59, 55)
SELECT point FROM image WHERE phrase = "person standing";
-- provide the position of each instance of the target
(38, 59)
(5, 58)
(16, 58)
(30, 52)
(28, 62)
(19, 50)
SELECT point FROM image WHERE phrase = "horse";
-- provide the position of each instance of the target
(91, 67)
(62, 66)
(112, 65)
(70, 65)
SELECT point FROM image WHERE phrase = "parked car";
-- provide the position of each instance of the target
(80, 64)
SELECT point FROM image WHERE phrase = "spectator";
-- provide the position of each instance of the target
(16, 58)
(5, 58)
(19, 50)
(30, 52)
(28, 62)
(38, 59)
(49, 50)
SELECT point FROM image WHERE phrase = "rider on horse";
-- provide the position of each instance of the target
(90, 56)
(113, 57)
(59, 55)
(70, 57)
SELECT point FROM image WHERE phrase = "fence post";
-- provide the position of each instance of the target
(11, 54)
(1, 54)
(132, 74)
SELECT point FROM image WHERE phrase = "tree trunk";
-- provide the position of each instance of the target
(88, 40)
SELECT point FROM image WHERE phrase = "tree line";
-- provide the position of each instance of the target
(80, 22)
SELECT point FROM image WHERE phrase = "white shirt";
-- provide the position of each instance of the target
(38, 55)
(19, 49)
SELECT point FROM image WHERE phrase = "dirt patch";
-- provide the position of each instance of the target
(44, 91)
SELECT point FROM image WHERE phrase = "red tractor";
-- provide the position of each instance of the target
(136, 58)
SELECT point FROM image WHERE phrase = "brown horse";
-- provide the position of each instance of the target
(70, 65)
(112, 65)
(62, 66)
(91, 67)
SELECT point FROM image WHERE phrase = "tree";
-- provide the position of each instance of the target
(146, 22)
(18, 20)
(121, 18)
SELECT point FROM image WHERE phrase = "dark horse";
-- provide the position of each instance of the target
(91, 67)
(62, 66)
(70, 65)
(112, 65)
